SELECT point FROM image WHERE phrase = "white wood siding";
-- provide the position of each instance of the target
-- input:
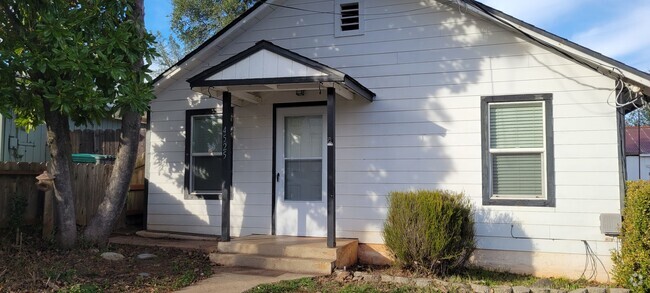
(429, 68)
(265, 64)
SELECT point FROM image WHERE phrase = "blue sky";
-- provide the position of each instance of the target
(615, 28)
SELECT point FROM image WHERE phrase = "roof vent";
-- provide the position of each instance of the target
(350, 16)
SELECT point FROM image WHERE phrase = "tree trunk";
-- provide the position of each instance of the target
(101, 225)
(58, 140)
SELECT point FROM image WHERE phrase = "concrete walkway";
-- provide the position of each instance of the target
(239, 279)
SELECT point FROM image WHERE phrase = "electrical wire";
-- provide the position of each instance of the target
(618, 89)
(611, 69)
(594, 260)
(336, 13)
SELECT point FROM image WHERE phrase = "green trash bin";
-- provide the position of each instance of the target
(92, 159)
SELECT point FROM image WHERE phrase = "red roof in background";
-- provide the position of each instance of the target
(632, 137)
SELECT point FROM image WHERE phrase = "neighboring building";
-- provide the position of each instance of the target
(408, 95)
(17, 145)
(637, 152)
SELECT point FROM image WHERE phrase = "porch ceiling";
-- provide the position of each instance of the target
(266, 67)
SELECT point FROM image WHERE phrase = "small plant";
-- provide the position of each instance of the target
(632, 262)
(429, 229)
(299, 285)
(17, 208)
(186, 279)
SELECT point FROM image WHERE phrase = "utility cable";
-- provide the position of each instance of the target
(336, 13)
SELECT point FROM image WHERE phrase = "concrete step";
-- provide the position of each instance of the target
(288, 264)
(299, 247)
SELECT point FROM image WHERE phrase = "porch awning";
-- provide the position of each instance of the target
(266, 67)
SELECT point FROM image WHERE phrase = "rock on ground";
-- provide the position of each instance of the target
(146, 256)
(480, 288)
(113, 256)
(520, 289)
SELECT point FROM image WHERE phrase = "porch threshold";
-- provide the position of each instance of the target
(287, 253)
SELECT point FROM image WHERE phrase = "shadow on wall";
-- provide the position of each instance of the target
(422, 132)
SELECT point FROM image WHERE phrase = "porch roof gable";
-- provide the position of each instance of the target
(268, 64)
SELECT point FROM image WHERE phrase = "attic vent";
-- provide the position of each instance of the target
(350, 16)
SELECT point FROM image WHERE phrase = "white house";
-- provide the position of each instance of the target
(332, 104)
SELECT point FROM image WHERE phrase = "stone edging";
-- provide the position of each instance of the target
(461, 287)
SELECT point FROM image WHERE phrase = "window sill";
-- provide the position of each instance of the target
(518, 202)
(202, 196)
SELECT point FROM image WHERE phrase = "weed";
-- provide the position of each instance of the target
(186, 279)
(81, 288)
(304, 284)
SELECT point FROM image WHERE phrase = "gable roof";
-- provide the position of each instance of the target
(216, 36)
(579, 54)
(236, 70)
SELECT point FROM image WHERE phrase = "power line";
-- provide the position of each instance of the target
(335, 13)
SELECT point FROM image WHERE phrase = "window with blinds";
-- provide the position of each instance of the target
(517, 150)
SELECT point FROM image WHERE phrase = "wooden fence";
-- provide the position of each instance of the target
(102, 142)
(89, 182)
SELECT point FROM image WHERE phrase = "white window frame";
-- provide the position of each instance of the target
(518, 151)
(548, 198)
(337, 19)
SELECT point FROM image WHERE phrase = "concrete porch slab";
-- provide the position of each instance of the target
(288, 253)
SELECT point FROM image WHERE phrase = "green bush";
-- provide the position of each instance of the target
(429, 229)
(632, 262)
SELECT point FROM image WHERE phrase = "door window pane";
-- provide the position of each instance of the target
(303, 137)
(304, 180)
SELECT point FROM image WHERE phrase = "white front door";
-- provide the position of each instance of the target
(301, 157)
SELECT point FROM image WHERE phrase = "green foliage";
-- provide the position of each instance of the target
(430, 230)
(194, 21)
(76, 55)
(299, 285)
(17, 207)
(169, 52)
(632, 262)
(186, 279)
(638, 117)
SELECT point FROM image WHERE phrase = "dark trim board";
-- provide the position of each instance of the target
(227, 141)
(145, 214)
(257, 81)
(550, 156)
(274, 149)
(331, 169)
(188, 154)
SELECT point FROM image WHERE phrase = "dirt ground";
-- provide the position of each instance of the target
(37, 266)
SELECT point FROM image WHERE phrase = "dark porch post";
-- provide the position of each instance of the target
(331, 170)
(227, 166)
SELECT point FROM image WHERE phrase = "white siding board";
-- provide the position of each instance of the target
(423, 130)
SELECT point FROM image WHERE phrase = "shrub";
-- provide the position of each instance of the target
(632, 262)
(429, 229)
